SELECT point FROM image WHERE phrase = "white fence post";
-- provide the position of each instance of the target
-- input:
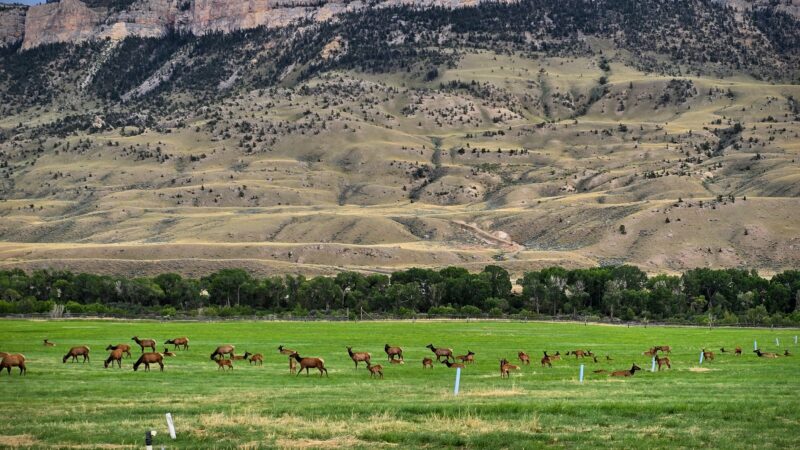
(458, 380)
(171, 426)
(581, 376)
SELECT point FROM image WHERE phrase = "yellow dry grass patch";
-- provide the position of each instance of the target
(20, 440)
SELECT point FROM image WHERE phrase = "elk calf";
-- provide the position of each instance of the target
(524, 358)
(506, 368)
(427, 363)
(375, 370)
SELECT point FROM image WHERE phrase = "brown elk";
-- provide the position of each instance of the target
(546, 361)
(651, 352)
(222, 363)
(447, 353)
(664, 348)
(145, 343)
(167, 352)
(556, 357)
(178, 342)
(377, 369)
(223, 350)
(626, 373)
(124, 347)
(16, 360)
(285, 351)
(469, 358)
(506, 367)
(708, 356)
(47, 343)
(427, 362)
(391, 352)
(577, 353)
(359, 356)
(453, 365)
(663, 361)
(240, 357)
(147, 359)
(738, 351)
(3, 355)
(524, 358)
(396, 361)
(258, 358)
(765, 354)
(115, 355)
(308, 363)
(74, 352)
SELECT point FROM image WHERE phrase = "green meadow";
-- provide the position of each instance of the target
(731, 402)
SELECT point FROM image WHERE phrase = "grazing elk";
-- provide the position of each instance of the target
(147, 359)
(258, 359)
(124, 347)
(359, 356)
(447, 353)
(524, 358)
(377, 369)
(115, 355)
(285, 351)
(626, 373)
(222, 363)
(469, 358)
(663, 361)
(651, 352)
(167, 352)
(308, 363)
(47, 343)
(16, 360)
(391, 352)
(223, 350)
(546, 360)
(74, 352)
(453, 365)
(427, 363)
(765, 354)
(556, 357)
(143, 343)
(577, 353)
(3, 355)
(708, 356)
(506, 367)
(178, 342)
(664, 348)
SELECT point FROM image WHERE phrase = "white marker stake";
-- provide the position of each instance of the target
(702, 354)
(581, 374)
(755, 345)
(171, 426)
(795, 339)
(778, 344)
(653, 368)
(458, 380)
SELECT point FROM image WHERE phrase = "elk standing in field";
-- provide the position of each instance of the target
(374, 370)
(179, 342)
(167, 352)
(16, 360)
(469, 358)
(626, 373)
(765, 354)
(145, 343)
(427, 362)
(447, 353)
(391, 352)
(651, 352)
(47, 343)
(506, 367)
(258, 358)
(524, 358)
(577, 353)
(308, 363)
(708, 356)
(556, 357)
(664, 348)
(124, 347)
(115, 355)
(738, 351)
(453, 365)
(546, 361)
(147, 359)
(3, 355)
(74, 352)
(223, 350)
(359, 356)
(222, 363)
(663, 361)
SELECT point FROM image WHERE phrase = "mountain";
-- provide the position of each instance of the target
(150, 136)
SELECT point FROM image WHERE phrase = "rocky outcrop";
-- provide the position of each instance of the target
(65, 21)
(12, 24)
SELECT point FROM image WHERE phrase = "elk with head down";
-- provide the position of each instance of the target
(115, 355)
(223, 350)
(524, 358)
(469, 358)
(74, 352)
(124, 347)
(147, 359)
(15, 360)
(257, 359)
(149, 343)
(178, 342)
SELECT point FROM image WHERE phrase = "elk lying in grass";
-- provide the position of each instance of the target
(145, 343)
(626, 373)
(556, 357)
(240, 357)
(178, 342)
(396, 361)
(115, 355)
(359, 356)
(167, 352)
(124, 347)
(74, 352)
(453, 365)
(469, 358)
(377, 369)
(786, 353)
(391, 352)
(546, 361)
(308, 363)
(765, 354)
(147, 359)
(506, 367)
(47, 343)
(524, 358)
(664, 348)
(663, 361)
(285, 351)
(15, 360)
(258, 359)
(222, 363)
(223, 350)
(447, 353)
(427, 363)
(708, 356)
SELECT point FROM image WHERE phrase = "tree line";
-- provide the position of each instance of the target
(703, 296)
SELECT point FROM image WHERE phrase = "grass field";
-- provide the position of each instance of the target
(732, 402)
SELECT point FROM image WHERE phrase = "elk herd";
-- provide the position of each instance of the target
(225, 355)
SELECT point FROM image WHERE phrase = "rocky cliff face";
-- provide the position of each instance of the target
(12, 24)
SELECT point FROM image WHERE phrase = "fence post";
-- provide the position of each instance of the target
(653, 367)
(581, 376)
(458, 380)
(702, 355)
(171, 426)
(755, 345)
